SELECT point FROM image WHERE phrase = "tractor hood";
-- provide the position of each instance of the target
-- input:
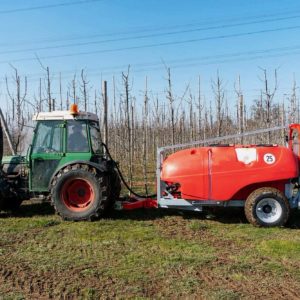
(15, 159)
(13, 164)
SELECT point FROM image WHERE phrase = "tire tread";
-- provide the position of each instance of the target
(102, 184)
(251, 202)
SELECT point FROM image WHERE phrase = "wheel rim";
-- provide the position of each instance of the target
(78, 194)
(268, 210)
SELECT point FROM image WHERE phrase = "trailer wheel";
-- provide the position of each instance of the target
(80, 193)
(267, 207)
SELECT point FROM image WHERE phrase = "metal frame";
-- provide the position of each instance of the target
(170, 201)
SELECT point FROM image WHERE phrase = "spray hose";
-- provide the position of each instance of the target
(123, 180)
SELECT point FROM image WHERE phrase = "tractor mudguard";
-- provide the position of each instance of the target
(103, 167)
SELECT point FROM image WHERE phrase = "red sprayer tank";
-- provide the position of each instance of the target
(228, 172)
(263, 179)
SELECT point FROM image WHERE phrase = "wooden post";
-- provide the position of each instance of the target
(60, 93)
(49, 89)
(241, 113)
(105, 112)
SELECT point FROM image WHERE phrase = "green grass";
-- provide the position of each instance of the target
(144, 255)
(285, 249)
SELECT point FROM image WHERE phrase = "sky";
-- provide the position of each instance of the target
(194, 38)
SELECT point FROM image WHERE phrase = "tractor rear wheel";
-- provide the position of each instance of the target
(79, 192)
(267, 207)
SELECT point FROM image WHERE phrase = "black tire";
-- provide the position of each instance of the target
(79, 193)
(267, 207)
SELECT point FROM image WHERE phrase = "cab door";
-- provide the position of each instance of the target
(46, 153)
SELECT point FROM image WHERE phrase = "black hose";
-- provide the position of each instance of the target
(123, 180)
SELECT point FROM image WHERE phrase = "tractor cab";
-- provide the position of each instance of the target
(59, 138)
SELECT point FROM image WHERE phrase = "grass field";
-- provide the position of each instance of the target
(146, 254)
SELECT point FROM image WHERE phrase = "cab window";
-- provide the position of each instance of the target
(95, 138)
(77, 137)
(48, 137)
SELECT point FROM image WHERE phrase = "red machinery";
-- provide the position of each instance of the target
(264, 179)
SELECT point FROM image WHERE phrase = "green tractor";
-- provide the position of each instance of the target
(65, 163)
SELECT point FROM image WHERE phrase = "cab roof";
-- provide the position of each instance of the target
(65, 115)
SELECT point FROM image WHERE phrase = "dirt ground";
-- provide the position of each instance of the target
(146, 254)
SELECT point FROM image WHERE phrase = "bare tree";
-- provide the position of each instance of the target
(73, 87)
(48, 83)
(125, 77)
(199, 106)
(105, 111)
(115, 117)
(60, 93)
(18, 101)
(145, 136)
(269, 95)
(219, 94)
(171, 100)
(293, 104)
(84, 90)
(95, 102)
(68, 100)
(191, 129)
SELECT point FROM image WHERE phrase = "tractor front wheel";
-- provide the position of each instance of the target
(267, 207)
(79, 193)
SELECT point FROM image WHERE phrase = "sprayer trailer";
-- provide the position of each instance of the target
(68, 164)
(264, 179)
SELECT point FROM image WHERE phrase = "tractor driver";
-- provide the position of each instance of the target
(77, 139)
